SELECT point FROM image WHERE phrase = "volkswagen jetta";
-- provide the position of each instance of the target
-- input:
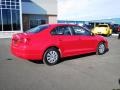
(51, 42)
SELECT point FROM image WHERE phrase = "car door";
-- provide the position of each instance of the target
(67, 42)
(86, 42)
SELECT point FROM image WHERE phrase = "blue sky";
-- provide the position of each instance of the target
(88, 9)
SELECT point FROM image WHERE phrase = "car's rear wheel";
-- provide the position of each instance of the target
(101, 48)
(51, 56)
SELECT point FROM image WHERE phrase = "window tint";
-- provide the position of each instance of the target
(102, 26)
(80, 31)
(62, 30)
(37, 29)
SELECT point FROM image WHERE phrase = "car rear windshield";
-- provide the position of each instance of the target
(102, 26)
(37, 29)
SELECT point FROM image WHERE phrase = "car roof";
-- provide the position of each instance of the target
(55, 25)
(62, 24)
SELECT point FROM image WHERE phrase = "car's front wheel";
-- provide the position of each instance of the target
(101, 48)
(51, 56)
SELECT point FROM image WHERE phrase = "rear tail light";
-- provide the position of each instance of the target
(24, 40)
(119, 29)
(20, 40)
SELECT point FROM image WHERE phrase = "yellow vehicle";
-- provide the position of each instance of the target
(102, 29)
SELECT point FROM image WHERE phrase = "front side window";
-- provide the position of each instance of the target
(80, 31)
(62, 30)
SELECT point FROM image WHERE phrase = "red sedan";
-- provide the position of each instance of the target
(51, 42)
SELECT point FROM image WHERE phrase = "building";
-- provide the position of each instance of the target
(20, 15)
(37, 12)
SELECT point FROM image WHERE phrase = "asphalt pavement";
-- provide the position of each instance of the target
(87, 72)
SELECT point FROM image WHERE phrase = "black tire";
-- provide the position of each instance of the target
(118, 35)
(101, 48)
(51, 56)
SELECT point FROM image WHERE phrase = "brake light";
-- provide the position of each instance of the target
(24, 40)
(119, 29)
(20, 40)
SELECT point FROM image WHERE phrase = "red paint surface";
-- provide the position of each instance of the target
(32, 46)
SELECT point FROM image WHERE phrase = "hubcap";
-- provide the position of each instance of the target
(101, 48)
(52, 56)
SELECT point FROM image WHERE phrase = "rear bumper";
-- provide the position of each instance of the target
(102, 32)
(26, 53)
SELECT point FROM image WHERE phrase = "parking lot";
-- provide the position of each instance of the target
(87, 72)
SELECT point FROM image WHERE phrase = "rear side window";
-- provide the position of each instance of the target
(37, 29)
(62, 30)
